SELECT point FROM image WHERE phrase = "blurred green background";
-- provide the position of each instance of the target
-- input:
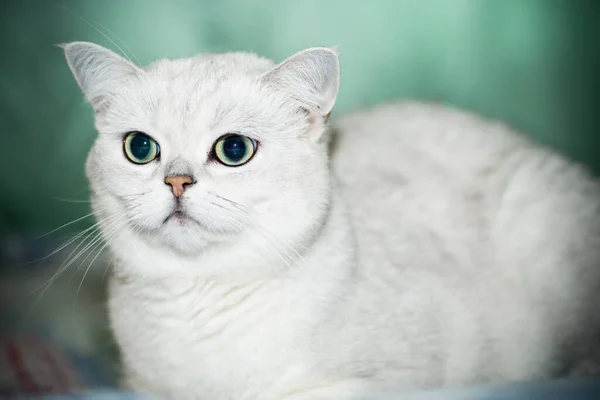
(532, 63)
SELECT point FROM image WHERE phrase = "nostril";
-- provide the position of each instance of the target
(178, 183)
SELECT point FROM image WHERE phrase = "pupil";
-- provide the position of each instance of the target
(140, 146)
(234, 148)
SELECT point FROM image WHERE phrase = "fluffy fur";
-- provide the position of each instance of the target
(417, 246)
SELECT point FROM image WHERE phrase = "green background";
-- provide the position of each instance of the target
(532, 63)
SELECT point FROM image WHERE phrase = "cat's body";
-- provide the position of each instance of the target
(437, 249)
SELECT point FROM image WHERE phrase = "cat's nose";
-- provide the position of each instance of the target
(178, 183)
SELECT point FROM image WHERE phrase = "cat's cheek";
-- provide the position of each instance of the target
(148, 213)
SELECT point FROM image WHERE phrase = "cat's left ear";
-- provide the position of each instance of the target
(98, 71)
(311, 76)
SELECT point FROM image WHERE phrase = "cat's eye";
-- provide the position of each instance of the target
(234, 150)
(140, 148)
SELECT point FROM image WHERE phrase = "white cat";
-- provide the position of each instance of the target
(430, 248)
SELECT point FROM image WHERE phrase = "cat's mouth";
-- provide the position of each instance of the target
(180, 217)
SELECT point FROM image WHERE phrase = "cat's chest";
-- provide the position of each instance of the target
(201, 339)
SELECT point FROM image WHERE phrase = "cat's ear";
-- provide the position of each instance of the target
(311, 76)
(97, 70)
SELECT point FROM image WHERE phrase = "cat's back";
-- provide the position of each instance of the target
(420, 179)
(411, 140)
(453, 175)
(464, 211)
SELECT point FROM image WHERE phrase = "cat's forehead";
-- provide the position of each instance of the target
(203, 87)
(210, 67)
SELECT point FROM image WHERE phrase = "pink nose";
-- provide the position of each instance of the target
(178, 183)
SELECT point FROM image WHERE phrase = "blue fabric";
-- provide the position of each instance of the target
(555, 390)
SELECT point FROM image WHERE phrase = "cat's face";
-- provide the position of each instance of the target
(209, 153)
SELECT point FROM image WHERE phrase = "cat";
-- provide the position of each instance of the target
(264, 252)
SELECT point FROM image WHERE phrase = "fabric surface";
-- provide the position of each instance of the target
(32, 365)
(560, 390)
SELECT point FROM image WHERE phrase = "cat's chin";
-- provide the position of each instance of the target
(185, 235)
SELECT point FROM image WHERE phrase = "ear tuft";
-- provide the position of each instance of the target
(311, 76)
(97, 70)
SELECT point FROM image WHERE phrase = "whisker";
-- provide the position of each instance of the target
(100, 32)
(136, 194)
(70, 259)
(97, 241)
(112, 232)
(114, 223)
(108, 265)
(71, 200)
(265, 246)
(65, 225)
(65, 244)
(270, 241)
(98, 238)
(134, 197)
(229, 200)
(86, 272)
(241, 208)
(62, 246)
(108, 31)
(92, 230)
(46, 285)
(136, 228)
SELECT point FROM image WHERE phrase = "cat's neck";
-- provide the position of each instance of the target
(182, 318)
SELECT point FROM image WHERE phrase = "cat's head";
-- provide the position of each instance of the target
(216, 153)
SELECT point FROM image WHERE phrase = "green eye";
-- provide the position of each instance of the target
(234, 150)
(140, 148)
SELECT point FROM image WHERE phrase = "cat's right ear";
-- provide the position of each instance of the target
(98, 71)
(311, 76)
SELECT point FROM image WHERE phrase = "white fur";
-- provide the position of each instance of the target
(432, 249)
